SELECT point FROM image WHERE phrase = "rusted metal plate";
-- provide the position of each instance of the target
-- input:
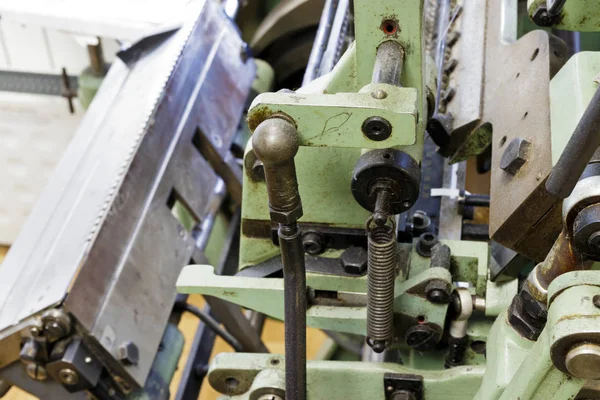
(517, 104)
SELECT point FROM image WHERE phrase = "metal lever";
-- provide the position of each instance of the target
(577, 153)
(275, 143)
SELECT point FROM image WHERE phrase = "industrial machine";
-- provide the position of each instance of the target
(330, 156)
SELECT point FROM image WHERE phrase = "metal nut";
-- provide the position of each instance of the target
(354, 260)
(541, 17)
(286, 217)
(128, 353)
(515, 155)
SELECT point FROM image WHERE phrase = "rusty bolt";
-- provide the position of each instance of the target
(354, 260)
(515, 155)
(312, 243)
(128, 353)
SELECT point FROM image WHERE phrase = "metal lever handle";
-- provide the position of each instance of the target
(275, 143)
(577, 153)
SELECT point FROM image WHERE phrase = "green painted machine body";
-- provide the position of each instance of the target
(329, 113)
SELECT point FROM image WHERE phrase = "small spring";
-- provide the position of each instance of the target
(380, 293)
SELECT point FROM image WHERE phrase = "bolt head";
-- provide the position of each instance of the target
(438, 292)
(541, 17)
(68, 376)
(377, 128)
(426, 242)
(515, 155)
(354, 260)
(312, 243)
(422, 337)
(583, 361)
(128, 353)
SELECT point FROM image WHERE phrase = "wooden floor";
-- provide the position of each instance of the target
(272, 336)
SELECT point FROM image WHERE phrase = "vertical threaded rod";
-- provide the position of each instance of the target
(380, 292)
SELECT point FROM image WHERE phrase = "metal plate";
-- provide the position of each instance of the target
(102, 233)
(517, 104)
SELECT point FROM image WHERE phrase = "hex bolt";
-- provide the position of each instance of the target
(541, 16)
(36, 372)
(515, 155)
(425, 243)
(56, 323)
(312, 243)
(437, 292)
(583, 361)
(354, 260)
(128, 353)
(377, 128)
(68, 376)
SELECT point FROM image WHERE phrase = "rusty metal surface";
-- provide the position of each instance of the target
(517, 104)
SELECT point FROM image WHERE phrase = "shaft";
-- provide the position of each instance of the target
(294, 273)
(388, 63)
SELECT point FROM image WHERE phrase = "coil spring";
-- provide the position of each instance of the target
(380, 293)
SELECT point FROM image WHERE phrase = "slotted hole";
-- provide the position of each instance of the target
(535, 54)
(181, 210)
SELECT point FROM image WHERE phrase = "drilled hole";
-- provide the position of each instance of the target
(274, 361)
(502, 141)
(231, 384)
(518, 74)
(389, 27)
(421, 319)
(387, 156)
(557, 54)
(535, 54)
(526, 114)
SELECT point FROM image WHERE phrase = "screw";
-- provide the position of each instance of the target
(128, 353)
(68, 376)
(377, 128)
(426, 242)
(596, 300)
(437, 292)
(354, 260)
(35, 331)
(312, 243)
(515, 155)
(379, 94)
(36, 372)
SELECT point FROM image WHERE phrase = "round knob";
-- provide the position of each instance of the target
(275, 141)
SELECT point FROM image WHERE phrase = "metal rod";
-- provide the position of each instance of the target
(388, 63)
(275, 143)
(577, 153)
(212, 324)
(477, 200)
(320, 43)
(294, 277)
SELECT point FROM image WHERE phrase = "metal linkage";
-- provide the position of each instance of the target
(275, 142)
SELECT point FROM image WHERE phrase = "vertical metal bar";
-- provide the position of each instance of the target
(294, 272)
